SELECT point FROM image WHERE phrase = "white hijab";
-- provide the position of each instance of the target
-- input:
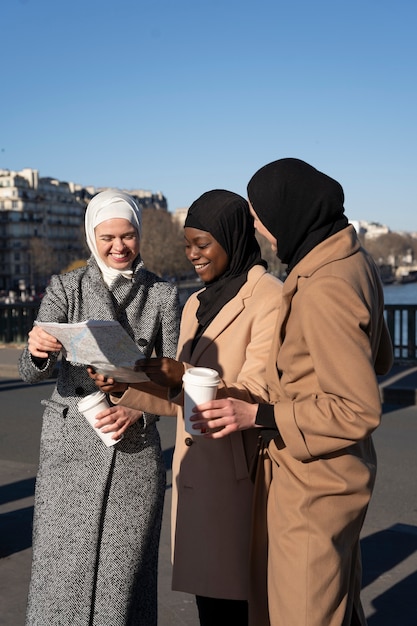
(106, 205)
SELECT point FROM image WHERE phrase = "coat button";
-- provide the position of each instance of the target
(79, 391)
(188, 441)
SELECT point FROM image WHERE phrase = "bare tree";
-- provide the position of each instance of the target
(42, 261)
(274, 264)
(74, 265)
(162, 243)
(391, 248)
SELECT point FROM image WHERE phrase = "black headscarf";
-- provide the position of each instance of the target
(300, 206)
(225, 215)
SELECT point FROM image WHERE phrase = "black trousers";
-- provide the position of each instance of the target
(219, 612)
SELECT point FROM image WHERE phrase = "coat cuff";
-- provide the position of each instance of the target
(265, 416)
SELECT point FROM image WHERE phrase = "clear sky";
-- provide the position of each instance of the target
(183, 96)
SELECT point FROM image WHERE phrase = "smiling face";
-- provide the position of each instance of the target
(117, 242)
(209, 259)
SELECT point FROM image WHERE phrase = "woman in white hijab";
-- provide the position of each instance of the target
(98, 509)
(113, 205)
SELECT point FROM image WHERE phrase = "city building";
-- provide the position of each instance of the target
(370, 230)
(179, 216)
(42, 227)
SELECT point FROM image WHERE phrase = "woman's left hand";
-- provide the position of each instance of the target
(219, 418)
(117, 419)
(163, 371)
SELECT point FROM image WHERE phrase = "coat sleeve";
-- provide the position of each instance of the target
(385, 356)
(155, 403)
(250, 384)
(331, 396)
(252, 330)
(53, 308)
(167, 337)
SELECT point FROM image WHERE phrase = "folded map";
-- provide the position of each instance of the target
(103, 344)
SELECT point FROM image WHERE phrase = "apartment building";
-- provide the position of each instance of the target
(41, 227)
(370, 230)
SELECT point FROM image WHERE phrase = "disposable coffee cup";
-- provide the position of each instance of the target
(92, 405)
(200, 385)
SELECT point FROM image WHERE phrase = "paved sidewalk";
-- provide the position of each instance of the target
(389, 538)
(9, 355)
(19, 449)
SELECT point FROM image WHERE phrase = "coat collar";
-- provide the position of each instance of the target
(339, 246)
(228, 313)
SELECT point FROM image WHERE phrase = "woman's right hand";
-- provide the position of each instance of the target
(219, 418)
(41, 343)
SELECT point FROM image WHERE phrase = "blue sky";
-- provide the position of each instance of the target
(182, 96)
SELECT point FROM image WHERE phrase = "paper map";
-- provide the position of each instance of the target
(104, 345)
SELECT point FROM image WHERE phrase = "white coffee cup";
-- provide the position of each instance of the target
(92, 405)
(200, 385)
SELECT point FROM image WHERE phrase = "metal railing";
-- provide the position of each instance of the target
(17, 319)
(401, 320)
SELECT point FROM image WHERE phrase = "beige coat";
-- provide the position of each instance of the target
(212, 490)
(330, 343)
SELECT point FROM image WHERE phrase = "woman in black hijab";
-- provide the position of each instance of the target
(227, 326)
(225, 215)
(298, 204)
(330, 342)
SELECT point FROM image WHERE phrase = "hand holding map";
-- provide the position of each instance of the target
(103, 344)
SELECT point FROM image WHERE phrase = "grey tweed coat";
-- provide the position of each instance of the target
(98, 510)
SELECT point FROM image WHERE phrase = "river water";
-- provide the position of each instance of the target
(400, 294)
(393, 294)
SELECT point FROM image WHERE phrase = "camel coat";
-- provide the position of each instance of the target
(212, 490)
(331, 342)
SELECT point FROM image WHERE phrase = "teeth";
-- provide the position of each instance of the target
(199, 267)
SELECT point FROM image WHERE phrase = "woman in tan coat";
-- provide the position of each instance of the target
(330, 343)
(227, 326)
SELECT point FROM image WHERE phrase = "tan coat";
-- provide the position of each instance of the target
(212, 489)
(331, 341)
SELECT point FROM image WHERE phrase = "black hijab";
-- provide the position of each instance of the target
(225, 215)
(300, 206)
